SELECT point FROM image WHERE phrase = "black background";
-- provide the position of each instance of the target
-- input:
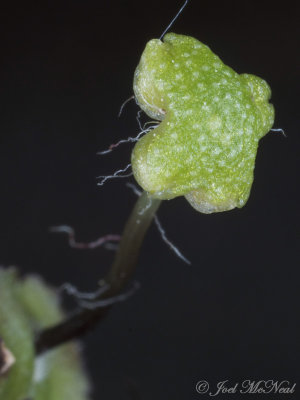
(66, 68)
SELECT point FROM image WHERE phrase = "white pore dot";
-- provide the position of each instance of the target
(228, 73)
(197, 45)
(186, 54)
(200, 85)
(197, 126)
(162, 65)
(224, 81)
(188, 63)
(178, 76)
(217, 150)
(216, 99)
(215, 123)
(176, 65)
(186, 97)
(248, 105)
(228, 96)
(196, 74)
(205, 67)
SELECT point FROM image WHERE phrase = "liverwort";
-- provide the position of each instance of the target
(211, 121)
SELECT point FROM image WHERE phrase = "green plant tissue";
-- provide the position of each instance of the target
(26, 306)
(212, 120)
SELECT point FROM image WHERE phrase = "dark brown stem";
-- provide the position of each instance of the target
(118, 276)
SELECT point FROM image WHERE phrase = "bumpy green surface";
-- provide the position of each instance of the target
(212, 119)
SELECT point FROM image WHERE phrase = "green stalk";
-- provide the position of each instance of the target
(118, 276)
(132, 238)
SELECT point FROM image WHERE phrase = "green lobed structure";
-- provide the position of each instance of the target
(211, 121)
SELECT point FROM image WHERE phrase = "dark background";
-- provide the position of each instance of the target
(66, 68)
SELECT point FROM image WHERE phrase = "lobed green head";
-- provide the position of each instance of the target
(212, 119)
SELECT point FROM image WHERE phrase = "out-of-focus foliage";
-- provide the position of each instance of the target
(26, 306)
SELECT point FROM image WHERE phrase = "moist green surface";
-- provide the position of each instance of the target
(212, 119)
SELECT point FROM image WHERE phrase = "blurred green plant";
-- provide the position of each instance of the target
(27, 306)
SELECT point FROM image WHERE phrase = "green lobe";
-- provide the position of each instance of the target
(212, 119)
